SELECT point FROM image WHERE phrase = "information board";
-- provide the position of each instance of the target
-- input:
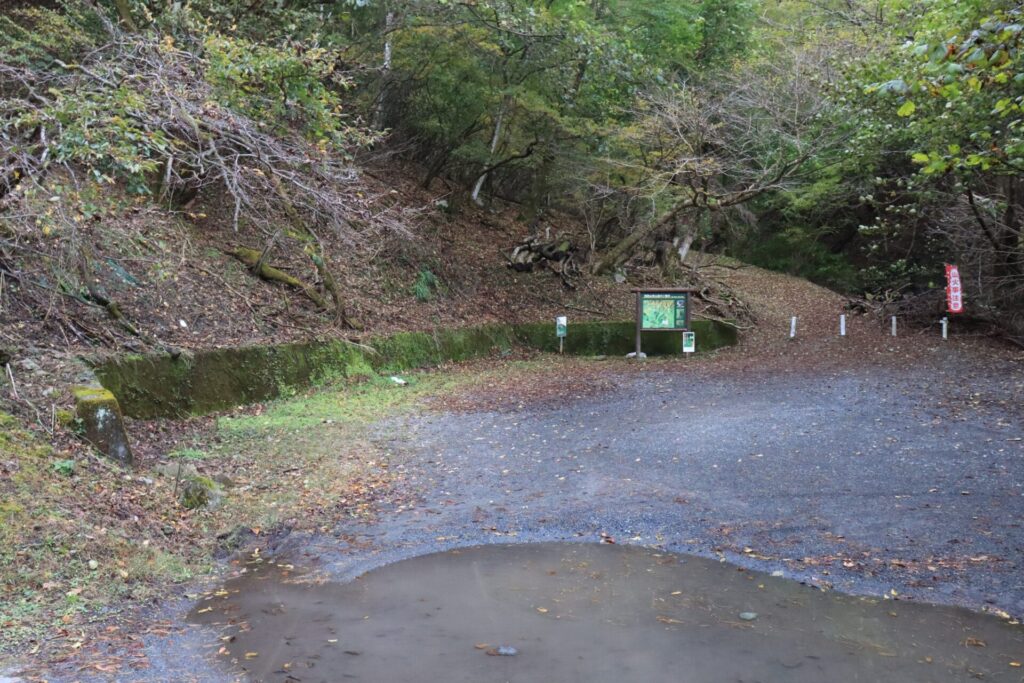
(665, 311)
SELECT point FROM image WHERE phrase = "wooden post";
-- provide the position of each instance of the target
(894, 326)
(639, 322)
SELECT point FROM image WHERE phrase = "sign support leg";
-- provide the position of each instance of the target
(639, 314)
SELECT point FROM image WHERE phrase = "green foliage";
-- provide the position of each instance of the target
(425, 286)
(530, 87)
(187, 454)
(95, 127)
(960, 86)
(164, 105)
(99, 130)
(800, 251)
(280, 87)
(37, 37)
(65, 468)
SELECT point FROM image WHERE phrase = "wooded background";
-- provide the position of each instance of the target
(858, 143)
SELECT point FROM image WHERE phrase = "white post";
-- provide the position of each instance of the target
(792, 327)
(842, 325)
(945, 328)
(894, 326)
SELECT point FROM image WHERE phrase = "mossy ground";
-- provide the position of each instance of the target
(308, 460)
(57, 516)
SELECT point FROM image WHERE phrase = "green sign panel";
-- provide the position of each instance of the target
(663, 311)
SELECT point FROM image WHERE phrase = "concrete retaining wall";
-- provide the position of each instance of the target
(159, 385)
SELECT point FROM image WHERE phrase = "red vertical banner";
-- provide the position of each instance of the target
(954, 291)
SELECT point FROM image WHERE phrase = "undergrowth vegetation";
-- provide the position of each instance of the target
(80, 537)
(862, 144)
(70, 541)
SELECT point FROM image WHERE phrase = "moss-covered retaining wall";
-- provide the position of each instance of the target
(159, 385)
(619, 338)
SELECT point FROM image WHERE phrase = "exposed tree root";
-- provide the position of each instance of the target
(316, 254)
(253, 259)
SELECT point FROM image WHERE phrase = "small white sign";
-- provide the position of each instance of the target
(561, 326)
(689, 342)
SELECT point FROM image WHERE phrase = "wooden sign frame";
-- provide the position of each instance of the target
(673, 294)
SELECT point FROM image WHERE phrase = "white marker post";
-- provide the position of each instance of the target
(561, 329)
(792, 327)
(842, 325)
(945, 328)
(894, 326)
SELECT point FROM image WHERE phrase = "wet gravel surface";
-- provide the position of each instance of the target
(905, 479)
(899, 480)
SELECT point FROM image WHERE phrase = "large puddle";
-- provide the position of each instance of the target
(594, 613)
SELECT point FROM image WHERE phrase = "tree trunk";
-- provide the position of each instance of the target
(475, 196)
(1009, 241)
(683, 244)
(254, 259)
(316, 255)
(440, 161)
(125, 12)
(380, 114)
(535, 199)
(624, 248)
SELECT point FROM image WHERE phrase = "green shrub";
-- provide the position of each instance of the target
(64, 468)
(279, 87)
(425, 286)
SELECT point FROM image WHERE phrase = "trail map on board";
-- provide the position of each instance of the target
(663, 311)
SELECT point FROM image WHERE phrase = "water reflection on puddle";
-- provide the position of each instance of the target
(591, 613)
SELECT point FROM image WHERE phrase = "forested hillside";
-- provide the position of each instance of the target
(147, 144)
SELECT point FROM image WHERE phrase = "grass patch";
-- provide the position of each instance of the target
(187, 454)
(309, 460)
(76, 538)
(352, 404)
(425, 286)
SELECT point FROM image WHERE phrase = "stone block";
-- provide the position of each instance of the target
(102, 422)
